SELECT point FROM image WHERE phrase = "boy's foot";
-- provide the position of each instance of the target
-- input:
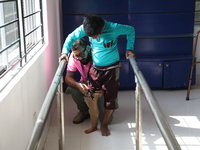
(92, 129)
(104, 130)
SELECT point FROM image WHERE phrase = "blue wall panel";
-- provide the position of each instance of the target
(119, 18)
(163, 46)
(162, 24)
(164, 30)
(158, 47)
(70, 23)
(124, 74)
(122, 47)
(144, 6)
(93, 6)
(152, 72)
(177, 74)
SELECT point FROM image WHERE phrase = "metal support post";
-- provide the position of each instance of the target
(162, 123)
(60, 108)
(138, 115)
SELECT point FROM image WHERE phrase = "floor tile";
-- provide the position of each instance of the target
(183, 118)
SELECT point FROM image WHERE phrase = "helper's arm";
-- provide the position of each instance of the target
(69, 79)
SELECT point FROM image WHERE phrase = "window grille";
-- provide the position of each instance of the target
(197, 12)
(21, 32)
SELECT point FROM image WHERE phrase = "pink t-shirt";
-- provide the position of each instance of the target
(74, 65)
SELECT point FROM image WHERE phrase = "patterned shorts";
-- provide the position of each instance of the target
(108, 81)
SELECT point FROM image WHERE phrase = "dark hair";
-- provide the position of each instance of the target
(80, 42)
(92, 24)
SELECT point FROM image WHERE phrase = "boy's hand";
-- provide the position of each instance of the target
(130, 52)
(63, 56)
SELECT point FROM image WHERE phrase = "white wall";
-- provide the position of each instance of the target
(22, 99)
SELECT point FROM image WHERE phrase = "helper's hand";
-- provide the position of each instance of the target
(83, 88)
(63, 56)
(130, 52)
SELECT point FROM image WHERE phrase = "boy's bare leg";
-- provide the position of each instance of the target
(94, 110)
(104, 125)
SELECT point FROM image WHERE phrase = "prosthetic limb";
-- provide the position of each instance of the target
(93, 110)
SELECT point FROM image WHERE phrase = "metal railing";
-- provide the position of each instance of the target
(142, 86)
(44, 112)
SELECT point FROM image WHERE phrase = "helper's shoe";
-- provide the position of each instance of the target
(80, 117)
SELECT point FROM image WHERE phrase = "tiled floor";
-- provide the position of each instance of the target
(183, 117)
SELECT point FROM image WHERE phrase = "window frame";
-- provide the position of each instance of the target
(197, 12)
(30, 36)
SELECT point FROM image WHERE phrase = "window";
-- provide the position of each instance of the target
(21, 32)
(197, 12)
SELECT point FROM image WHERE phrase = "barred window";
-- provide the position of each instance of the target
(21, 33)
(197, 12)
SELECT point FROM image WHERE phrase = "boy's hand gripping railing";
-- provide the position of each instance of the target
(161, 121)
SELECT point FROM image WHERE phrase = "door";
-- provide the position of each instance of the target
(176, 74)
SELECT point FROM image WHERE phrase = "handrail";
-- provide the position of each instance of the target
(44, 112)
(162, 123)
